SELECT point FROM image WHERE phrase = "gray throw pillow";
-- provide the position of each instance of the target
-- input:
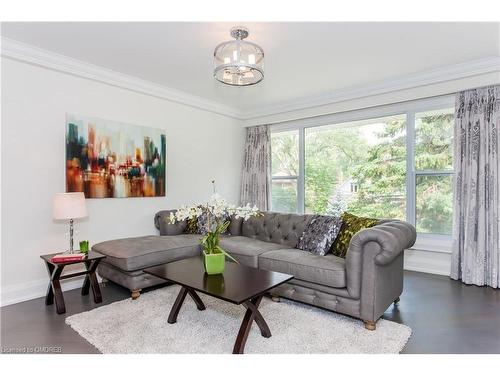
(320, 234)
(203, 220)
(202, 223)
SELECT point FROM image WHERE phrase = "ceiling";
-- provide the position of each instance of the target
(302, 60)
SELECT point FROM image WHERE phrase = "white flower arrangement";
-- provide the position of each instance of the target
(218, 212)
(216, 208)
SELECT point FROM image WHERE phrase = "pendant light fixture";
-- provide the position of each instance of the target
(239, 62)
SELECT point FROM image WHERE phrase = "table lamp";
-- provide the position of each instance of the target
(69, 206)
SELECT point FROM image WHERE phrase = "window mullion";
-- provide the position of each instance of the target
(277, 178)
(433, 173)
(301, 177)
(410, 168)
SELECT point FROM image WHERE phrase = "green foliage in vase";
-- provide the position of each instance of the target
(210, 241)
(217, 211)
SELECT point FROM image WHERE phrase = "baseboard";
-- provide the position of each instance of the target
(437, 263)
(424, 269)
(34, 289)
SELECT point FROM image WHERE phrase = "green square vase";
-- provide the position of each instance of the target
(214, 263)
(84, 247)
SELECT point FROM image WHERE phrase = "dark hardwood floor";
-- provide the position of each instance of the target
(445, 316)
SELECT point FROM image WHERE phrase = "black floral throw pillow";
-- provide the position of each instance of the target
(320, 234)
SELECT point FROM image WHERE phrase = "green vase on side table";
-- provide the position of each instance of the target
(84, 247)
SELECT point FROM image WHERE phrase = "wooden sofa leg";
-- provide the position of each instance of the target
(136, 293)
(370, 325)
(275, 298)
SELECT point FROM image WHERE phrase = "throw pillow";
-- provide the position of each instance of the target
(192, 226)
(351, 224)
(320, 234)
(202, 223)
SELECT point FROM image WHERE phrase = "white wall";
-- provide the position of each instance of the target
(201, 146)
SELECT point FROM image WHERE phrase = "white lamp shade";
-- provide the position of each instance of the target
(69, 206)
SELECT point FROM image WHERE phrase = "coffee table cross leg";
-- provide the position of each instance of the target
(252, 314)
(199, 303)
(172, 317)
(259, 319)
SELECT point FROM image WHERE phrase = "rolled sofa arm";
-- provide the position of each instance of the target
(393, 237)
(379, 245)
(165, 227)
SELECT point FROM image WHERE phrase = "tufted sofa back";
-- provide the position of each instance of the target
(284, 229)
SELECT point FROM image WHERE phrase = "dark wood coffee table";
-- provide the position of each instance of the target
(238, 284)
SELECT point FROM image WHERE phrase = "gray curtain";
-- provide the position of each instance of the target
(255, 184)
(476, 227)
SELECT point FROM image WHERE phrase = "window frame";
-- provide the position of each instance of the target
(300, 187)
(425, 241)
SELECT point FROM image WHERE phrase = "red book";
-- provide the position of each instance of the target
(61, 258)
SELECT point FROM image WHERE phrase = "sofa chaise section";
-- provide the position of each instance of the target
(127, 257)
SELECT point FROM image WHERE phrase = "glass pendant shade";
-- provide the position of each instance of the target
(238, 62)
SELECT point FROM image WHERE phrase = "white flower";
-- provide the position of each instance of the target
(231, 209)
(182, 213)
(217, 207)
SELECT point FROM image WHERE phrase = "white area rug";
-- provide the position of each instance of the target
(141, 327)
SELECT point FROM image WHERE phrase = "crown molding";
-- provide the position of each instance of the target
(51, 60)
(424, 78)
(33, 55)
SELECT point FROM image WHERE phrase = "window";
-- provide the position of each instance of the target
(434, 171)
(357, 166)
(285, 171)
(388, 162)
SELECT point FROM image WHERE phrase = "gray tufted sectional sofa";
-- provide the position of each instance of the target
(363, 285)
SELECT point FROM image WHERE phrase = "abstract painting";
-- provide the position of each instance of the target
(108, 159)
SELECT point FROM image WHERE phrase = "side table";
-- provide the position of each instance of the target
(54, 292)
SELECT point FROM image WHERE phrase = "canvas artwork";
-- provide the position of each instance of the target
(108, 159)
